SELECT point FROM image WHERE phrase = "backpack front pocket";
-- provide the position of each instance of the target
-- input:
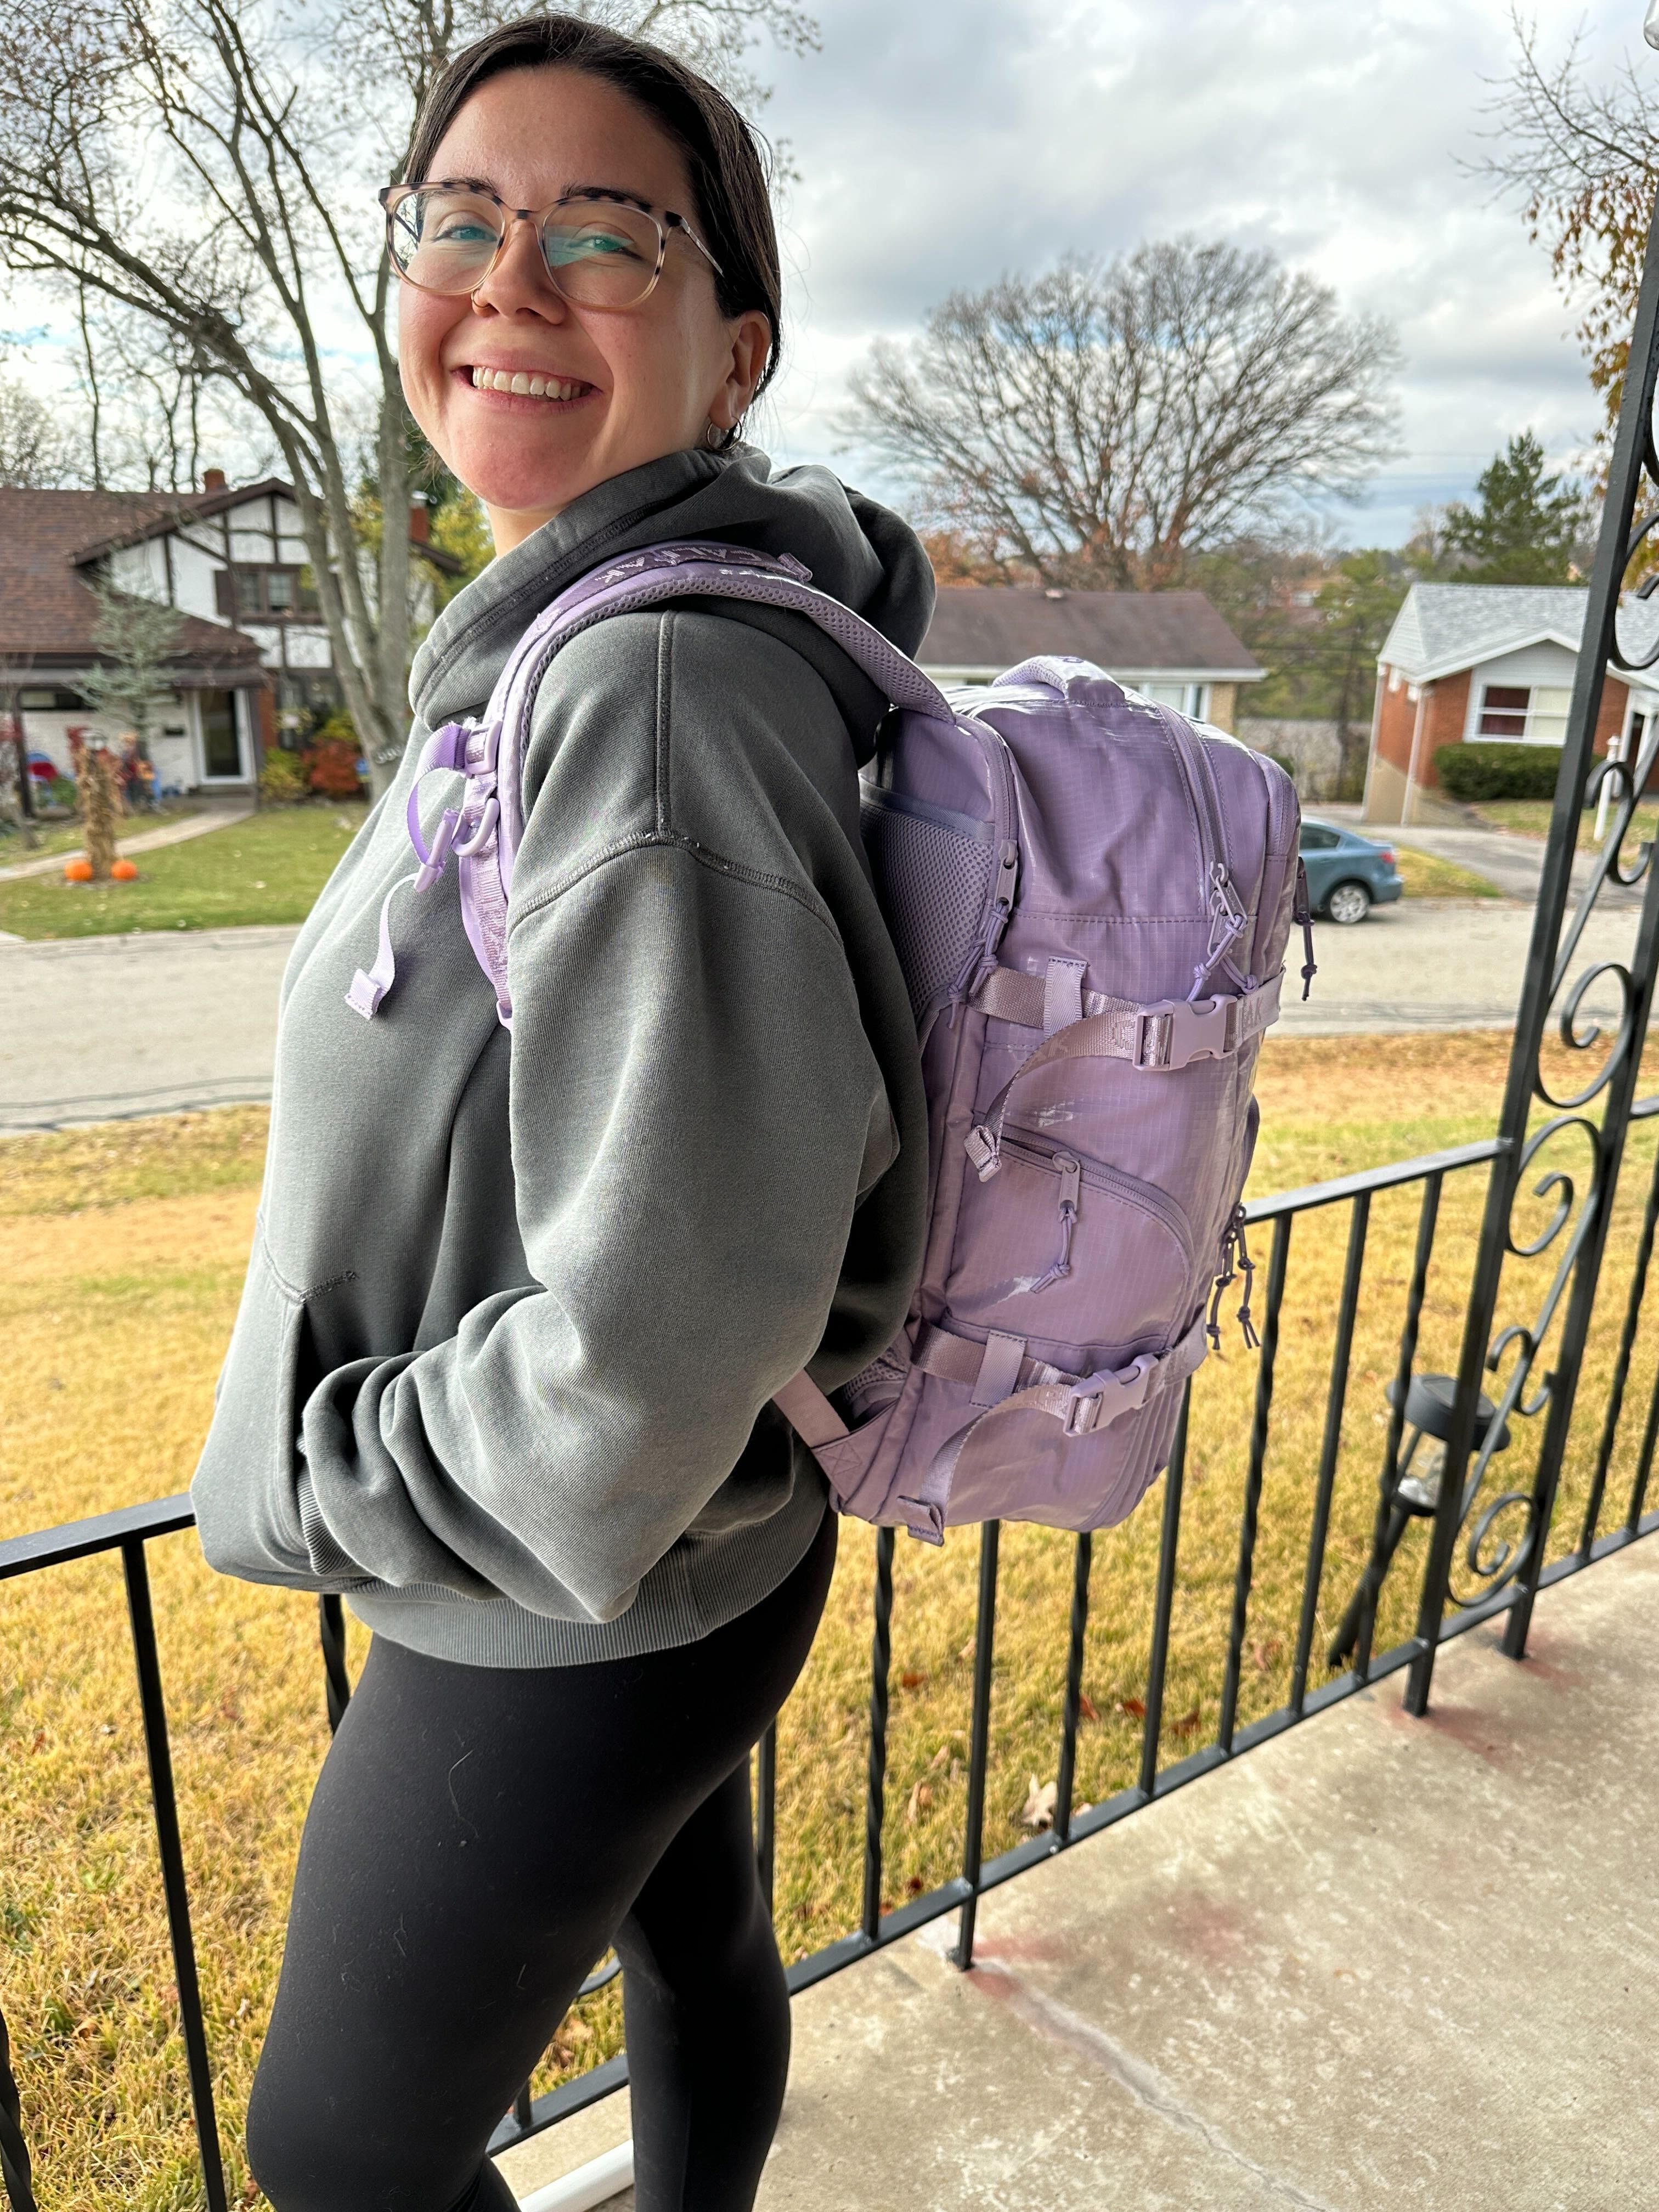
(1090, 1265)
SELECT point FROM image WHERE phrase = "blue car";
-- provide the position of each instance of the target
(1347, 874)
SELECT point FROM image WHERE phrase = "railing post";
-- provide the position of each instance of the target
(14, 2169)
(979, 1749)
(1547, 963)
(875, 1794)
(1071, 1709)
(154, 1709)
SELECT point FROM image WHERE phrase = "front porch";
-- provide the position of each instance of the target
(1380, 1962)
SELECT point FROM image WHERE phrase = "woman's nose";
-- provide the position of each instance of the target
(519, 282)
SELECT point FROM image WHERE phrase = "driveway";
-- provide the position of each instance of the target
(1514, 863)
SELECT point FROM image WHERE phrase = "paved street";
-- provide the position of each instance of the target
(99, 1028)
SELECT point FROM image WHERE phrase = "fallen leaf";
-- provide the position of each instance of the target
(1134, 1707)
(939, 1757)
(1040, 1805)
(1185, 1724)
(912, 1679)
(920, 1798)
(913, 1887)
(1085, 1706)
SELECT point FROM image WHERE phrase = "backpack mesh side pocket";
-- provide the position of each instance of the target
(936, 880)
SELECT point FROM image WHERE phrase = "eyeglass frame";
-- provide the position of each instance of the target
(664, 221)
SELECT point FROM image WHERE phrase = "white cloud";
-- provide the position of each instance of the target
(940, 145)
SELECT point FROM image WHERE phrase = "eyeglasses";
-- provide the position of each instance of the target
(600, 252)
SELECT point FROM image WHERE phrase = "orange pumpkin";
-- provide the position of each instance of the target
(124, 871)
(78, 870)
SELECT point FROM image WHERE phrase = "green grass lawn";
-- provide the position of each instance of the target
(67, 837)
(268, 868)
(122, 1251)
(1530, 818)
(1426, 876)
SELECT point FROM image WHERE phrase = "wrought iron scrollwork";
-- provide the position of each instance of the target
(1482, 1543)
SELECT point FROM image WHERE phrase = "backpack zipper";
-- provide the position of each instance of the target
(983, 956)
(1229, 917)
(1146, 1197)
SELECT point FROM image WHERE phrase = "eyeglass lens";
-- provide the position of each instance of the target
(599, 253)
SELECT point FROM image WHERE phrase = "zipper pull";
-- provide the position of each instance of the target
(983, 957)
(1302, 911)
(1247, 1268)
(1071, 1183)
(984, 1150)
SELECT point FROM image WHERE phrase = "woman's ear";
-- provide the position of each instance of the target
(751, 343)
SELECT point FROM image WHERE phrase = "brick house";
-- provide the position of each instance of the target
(1172, 646)
(253, 661)
(1490, 662)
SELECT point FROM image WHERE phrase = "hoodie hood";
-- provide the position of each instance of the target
(858, 552)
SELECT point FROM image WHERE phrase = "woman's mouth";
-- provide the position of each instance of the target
(525, 384)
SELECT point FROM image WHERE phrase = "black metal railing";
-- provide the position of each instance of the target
(1498, 1587)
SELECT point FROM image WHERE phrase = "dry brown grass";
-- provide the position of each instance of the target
(123, 1250)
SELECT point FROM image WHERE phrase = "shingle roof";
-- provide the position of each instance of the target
(1134, 632)
(47, 610)
(1444, 628)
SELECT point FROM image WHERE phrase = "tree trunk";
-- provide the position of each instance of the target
(98, 811)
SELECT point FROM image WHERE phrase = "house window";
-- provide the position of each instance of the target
(1534, 714)
(1192, 699)
(52, 703)
(261, 593)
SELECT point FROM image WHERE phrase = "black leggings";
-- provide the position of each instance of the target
(478, 1836)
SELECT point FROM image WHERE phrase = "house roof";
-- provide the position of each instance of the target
(164, 511)
(1442, 628)
(1128, 632)
(48, 609)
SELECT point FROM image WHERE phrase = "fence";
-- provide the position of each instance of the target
(1442, 1436)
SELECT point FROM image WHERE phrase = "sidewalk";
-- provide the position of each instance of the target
(1379, 1963)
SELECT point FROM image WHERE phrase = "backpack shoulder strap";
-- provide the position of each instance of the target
(679, 568)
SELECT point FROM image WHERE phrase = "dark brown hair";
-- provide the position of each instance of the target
(725, 157)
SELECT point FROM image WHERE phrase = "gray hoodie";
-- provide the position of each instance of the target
(516, 1303)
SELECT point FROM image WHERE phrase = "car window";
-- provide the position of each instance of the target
(1317, 838)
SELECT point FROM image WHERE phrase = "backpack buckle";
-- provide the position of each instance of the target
(1082, 1413)
(1176, 1033)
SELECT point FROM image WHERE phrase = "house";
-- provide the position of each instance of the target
(1490, 661)
(253, 657)
(1172, 646)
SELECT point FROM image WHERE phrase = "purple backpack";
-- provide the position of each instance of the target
(1091, 897)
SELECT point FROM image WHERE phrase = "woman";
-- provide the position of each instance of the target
(518, 1302)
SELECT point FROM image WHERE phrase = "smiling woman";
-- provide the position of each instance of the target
(529, 1272)
(554, 331)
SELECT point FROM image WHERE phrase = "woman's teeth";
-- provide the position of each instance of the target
(524, 387)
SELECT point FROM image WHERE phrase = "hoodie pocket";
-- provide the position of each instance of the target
(244, 1489)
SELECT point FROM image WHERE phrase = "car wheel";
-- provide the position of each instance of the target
(1348, 904)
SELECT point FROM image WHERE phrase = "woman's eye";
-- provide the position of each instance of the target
(463, 232)
(593, 245)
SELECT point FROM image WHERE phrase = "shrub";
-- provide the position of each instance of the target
(62, 791)
(332, 769)
(283, 780)
(1497, 771)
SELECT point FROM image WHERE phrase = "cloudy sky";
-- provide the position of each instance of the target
(942, 141)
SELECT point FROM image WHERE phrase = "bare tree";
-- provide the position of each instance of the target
(135, 638)
(210, 169)
(1582, 159)
(1099, 424)
(35, 454)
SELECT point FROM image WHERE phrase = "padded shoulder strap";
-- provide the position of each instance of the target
(684, 568)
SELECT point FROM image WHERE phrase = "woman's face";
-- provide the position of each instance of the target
(648, 380)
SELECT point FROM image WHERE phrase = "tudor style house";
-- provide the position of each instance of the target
(253, 657)
(1490, 661)
(1172, 646)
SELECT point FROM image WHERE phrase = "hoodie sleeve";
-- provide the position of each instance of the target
(695, 1111)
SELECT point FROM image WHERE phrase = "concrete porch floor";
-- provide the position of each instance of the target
(1379, 1963)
